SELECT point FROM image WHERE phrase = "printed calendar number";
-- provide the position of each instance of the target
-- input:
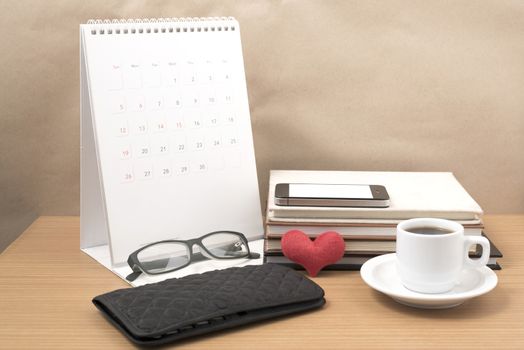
(163, 168)
(209, 96)
(122, 129)
(125, 152)
(191, 98)
(160, 126)
(212, 120)
(196, 122)
(226, 75)
(225, 96)
(208, 77)
(182, 168)
(178, 123)
(144, 171)
(118, 105)
(160, 146)
(198, 166)
(193, 120)
(190, 75)
(143, 149)
(173, 75)
(216, 142)
(179, 143)
(197, 142)
(137, 104)
(228, 98)
(207, 74)
(156, 103)
(173, 100)
(140, 126)
(230, 119)
(126, 174)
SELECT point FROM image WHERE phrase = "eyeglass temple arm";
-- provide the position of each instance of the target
(136, 270)
(134, 275)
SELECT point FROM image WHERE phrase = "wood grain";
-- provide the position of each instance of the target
(46, 286)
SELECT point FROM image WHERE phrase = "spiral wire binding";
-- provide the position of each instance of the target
(159, 25)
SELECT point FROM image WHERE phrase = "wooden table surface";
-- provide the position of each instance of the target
(47, 283)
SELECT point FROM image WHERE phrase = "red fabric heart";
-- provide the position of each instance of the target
(326, 249)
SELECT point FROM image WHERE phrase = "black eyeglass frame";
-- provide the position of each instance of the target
(138, 268)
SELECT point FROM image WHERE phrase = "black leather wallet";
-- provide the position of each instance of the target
(178, 308)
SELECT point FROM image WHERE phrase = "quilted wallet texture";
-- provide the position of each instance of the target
(179, 308)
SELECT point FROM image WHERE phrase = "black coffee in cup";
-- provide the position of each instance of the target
(429, 230)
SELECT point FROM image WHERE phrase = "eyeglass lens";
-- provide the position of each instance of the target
(225, 245)
(164, 257)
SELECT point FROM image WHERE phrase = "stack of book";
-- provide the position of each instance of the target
(369, 232)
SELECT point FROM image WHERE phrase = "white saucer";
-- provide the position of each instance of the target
(380, 273)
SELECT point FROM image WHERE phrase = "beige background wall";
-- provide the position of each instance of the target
(352, 85)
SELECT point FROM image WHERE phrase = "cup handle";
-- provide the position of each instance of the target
(483, 260)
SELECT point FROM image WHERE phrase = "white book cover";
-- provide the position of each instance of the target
(412, 194)
(354, 232)
(351, 221)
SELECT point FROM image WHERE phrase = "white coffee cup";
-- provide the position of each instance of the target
(432, 262)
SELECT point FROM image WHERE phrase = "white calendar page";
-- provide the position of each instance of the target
(171, 130)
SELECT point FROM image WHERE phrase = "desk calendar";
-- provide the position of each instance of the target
(166, 142)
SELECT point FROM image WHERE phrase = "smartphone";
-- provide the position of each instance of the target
(331, 195)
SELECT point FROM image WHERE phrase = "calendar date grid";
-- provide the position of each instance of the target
(173, 120)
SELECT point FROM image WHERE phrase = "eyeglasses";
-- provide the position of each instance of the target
(171, 255)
